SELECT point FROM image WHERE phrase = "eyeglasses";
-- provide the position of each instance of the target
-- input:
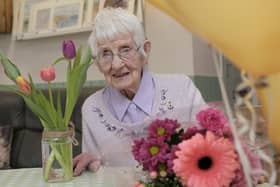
(106, 57)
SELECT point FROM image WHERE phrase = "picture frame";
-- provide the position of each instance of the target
(62, 15)
(44, 18)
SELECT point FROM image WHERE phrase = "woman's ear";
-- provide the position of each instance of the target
(147, 47)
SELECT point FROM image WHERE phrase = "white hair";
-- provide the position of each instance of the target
(110, 22)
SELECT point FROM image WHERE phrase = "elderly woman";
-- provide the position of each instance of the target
(113, 115)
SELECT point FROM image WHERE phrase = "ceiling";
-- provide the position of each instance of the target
(6, 16)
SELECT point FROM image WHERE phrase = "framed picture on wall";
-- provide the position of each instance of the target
(51, 17)
(68, 15)
(44, 18)
(41, 19)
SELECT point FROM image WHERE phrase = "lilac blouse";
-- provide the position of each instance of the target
(134, 110)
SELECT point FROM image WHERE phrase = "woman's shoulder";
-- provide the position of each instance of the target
(171, 79)
(93, 100)
(170, 76)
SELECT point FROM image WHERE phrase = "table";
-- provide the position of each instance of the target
(105, 177)
(32, 177)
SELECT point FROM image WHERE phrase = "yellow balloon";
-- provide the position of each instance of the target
(270, 98)
(246, 31)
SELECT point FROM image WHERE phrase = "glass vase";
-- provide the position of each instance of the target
(57, 161)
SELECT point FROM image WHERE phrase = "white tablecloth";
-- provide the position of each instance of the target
(32, 177)
(105, 177)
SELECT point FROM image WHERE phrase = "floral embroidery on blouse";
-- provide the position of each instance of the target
(118, 131)
(165, 105)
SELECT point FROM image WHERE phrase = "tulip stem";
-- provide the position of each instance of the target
(70, 64)
(50, 95)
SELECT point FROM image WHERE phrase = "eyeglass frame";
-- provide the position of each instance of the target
(117, 54)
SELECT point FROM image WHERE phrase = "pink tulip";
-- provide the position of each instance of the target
(47, 74)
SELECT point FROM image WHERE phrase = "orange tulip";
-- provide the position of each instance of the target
(23, 85)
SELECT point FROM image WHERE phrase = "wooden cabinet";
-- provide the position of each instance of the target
(6, 16)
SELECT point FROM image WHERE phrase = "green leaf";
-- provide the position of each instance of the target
(78, 57)
(75, 82)
(59, 114)
(49, 109)
(33, 90)
(87, 57)
(12, 89)
(10, 69)
(59, 60)
(37, 110)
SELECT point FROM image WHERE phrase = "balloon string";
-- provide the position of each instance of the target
(244, 94)
(243, 158)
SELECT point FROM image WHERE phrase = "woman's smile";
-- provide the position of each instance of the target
(120, 75)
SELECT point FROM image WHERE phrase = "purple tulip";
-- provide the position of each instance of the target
(69, 50)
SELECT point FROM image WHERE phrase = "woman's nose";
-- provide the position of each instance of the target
(117, 62)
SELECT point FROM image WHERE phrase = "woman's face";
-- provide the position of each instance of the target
(121, 63)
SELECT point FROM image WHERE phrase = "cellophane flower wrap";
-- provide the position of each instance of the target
(201, 155)
(48, 109)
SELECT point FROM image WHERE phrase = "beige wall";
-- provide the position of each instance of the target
(172, 50)
(202, 58)
(171, 43)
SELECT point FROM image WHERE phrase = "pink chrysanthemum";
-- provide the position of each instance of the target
(152, 152)
(206, 161)
(239, 180)
(169, 159)
(190, 132)
(211, 119)
(163, 128)
(136, 148)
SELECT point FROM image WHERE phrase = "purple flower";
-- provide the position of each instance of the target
(163, 128)
(136, 147)
(69, 50)
(212, 119)
(192, 131)
(169, 159)
(255, 163)
(151, 152)
(227, 133)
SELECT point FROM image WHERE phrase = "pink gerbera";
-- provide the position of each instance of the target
(206, 161)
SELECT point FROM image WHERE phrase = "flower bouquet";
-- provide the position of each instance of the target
(58, 136)
(202, 155)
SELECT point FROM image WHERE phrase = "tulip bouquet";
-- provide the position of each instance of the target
(203, 155)
(52, 116)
